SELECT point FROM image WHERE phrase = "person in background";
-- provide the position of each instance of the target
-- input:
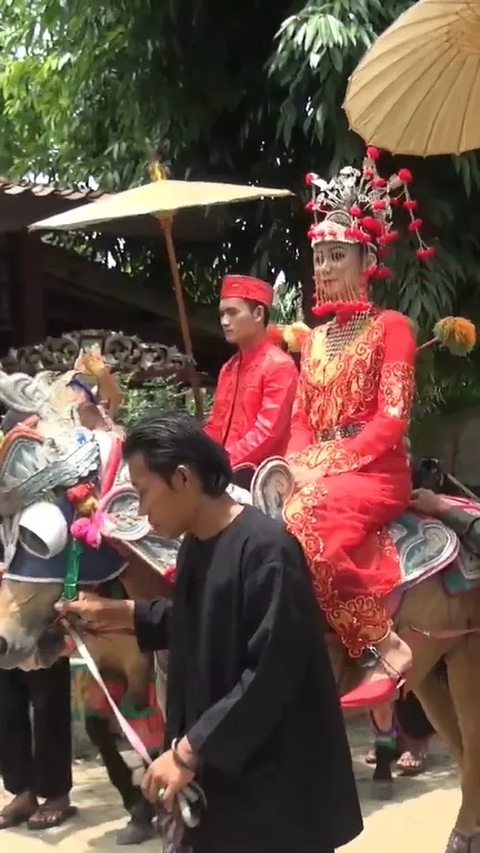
(256, 387)
(252, 708)
(36, 770)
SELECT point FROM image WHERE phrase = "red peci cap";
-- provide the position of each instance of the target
(246, 287)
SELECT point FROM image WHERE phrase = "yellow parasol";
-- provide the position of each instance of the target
(417, 90)
(162, 198)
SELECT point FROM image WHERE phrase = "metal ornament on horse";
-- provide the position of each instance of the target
(163, 199)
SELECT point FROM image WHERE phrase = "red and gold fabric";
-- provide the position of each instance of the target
(350, 420)
(146, 721)
(253, 404)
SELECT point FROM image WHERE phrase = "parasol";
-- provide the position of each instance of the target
(417, 90)
(162, 198)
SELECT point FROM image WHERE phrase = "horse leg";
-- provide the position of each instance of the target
(139, 829)
(436, 701)
(463, 664)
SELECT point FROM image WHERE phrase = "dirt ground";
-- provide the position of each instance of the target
(418, 819)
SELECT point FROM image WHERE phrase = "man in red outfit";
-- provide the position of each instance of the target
(256, 387)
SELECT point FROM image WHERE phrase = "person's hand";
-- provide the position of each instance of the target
(165, 775)
(427, 502)
(98, 611)
(303, 476)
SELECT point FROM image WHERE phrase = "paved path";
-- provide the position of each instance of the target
(417, 821)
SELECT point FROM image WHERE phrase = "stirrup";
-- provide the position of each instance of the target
(377, 692)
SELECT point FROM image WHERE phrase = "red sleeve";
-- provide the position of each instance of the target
(301, 432)
(214, 425)
(273, 419)
(389, 424)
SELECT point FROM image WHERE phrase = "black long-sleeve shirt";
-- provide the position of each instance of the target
(250, 684)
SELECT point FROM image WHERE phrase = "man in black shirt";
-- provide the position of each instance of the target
(252, 709)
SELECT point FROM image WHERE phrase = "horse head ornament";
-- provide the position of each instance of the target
(67, 507)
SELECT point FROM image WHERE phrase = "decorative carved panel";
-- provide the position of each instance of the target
(123, 353)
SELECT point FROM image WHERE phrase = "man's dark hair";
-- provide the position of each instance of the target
(168, 440)
(252, 304)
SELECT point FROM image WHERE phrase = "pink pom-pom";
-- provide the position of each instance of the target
(383, 273)
(405, 175)
(415, 225)
(310, 178)
(426, 253)
(373, 152)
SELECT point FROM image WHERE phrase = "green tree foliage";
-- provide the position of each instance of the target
(246, 92)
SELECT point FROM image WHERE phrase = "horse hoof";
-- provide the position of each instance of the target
(383, 789)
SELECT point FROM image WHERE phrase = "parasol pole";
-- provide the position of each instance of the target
(159, 173)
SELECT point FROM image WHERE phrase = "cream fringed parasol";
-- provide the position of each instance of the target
(417, 90)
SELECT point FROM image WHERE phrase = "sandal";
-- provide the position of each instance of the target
(48, 816)
(412, 762)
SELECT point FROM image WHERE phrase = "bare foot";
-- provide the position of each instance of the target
(18, 810)
(52, 813)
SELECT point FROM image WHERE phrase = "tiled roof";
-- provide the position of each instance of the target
(15, 188)
(24, 202)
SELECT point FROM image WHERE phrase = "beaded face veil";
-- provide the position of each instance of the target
(353, 231)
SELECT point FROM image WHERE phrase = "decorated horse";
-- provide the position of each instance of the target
(58, 474)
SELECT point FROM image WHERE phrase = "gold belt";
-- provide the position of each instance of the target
(334, 433)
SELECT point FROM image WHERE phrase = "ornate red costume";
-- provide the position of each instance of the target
(255, 392)
(351, 415)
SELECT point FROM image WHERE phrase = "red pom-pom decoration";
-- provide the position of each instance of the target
(372, 225)
(410, 204)
(426, 253)
(383, 252)
(379, 205)
(371, 272)
(383, 273)
(355, 210)
(310, 178)
(378, 183)
(310, 205)
(394, 202)
(388, 238)
(373, 152)
(405, 175)
(415, 225)
(360, 236)
(80, 493)
(368, 172)
(316, 233)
